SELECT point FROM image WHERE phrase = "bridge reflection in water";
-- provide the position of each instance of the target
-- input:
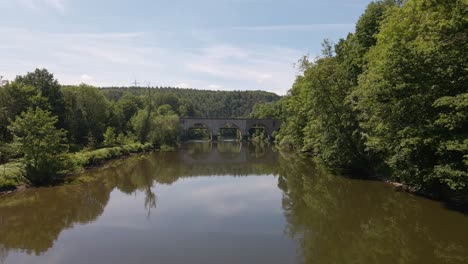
(216, 125)
(32, 231)
(223, 152)
(154, 206)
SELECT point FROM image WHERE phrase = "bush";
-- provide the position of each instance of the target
(11, 175)
(286, 143)
(41, 144)
(110, 137)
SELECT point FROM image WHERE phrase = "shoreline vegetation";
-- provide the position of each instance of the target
(389, 99)
(13, 174)
(48, 130)
(16, 181)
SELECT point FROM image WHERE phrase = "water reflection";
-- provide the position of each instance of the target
(215, 219)
(338, 220)
(32, 220)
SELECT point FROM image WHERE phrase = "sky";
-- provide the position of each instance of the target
(202, 44)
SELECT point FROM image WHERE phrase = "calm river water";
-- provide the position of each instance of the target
(226, 203)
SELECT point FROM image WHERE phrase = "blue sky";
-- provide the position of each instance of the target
(203, 44)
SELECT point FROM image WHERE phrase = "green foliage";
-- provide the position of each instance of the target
(91, 141)
(35, 89)
(5, 152)
(267, 110)
(319, 117)
(127, 106)
(160, 127)
(141, 123)
(41, 143)
(167, 129)
(47, 92)
(197, 103)
(412, 98)
(110, 138)
(95, 118)
(94, 157)
(86, 113)
(368, 25)
(11, 175)
(392, 93)
(259, 137)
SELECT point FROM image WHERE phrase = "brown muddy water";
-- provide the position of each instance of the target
(226, 203)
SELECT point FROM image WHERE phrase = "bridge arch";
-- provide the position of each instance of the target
(234, 130)
(259, 129)
(198, 131)
(243, 124)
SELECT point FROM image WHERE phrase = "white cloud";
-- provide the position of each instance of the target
(222, 200)
(183, 85)
(119, 58)
(263, 77)
(306, 27)
(58, 5)
(86, 78)
(224, 52)
(267, 68)
(215, 87)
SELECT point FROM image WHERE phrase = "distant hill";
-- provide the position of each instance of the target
(203, 103)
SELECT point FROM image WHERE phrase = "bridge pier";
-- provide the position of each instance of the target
(216, 124)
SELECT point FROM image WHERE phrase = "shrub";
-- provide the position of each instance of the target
(41, 144)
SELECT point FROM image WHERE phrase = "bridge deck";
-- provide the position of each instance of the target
(217, 123)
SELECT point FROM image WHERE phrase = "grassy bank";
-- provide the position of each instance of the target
(12, 173)
(85, 159)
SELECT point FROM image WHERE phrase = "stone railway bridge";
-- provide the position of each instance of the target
(216, 124)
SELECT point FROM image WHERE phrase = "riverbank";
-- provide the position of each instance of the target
(12, 174)
(456, 200)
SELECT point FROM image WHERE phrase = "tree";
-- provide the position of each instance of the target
(320, 118)
(5, 153)
(46, 86)
(196, 103)
(2, 82)
(127, 106)
(142, 123)
(41, 144)
(110, 137)
(350, 52)
(166, 127)
(4, 115)
(415, 79)
(86, 111)
(268, 110)
(160, 127)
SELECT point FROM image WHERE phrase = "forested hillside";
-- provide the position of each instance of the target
(200, 103)
(392, 95)
(43, 122)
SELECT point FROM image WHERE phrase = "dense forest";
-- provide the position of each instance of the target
(43, 122)
(390, 98)
(199, 103)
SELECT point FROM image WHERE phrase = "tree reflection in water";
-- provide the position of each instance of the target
(150, 200)
(339, 220)
(32, 220)
(3, 254)
(333, 219)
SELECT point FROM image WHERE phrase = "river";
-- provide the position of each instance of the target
(226, 203)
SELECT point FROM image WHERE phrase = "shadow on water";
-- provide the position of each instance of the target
(452, 200)
(32, 220)
(331, 219)
(342, 220)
